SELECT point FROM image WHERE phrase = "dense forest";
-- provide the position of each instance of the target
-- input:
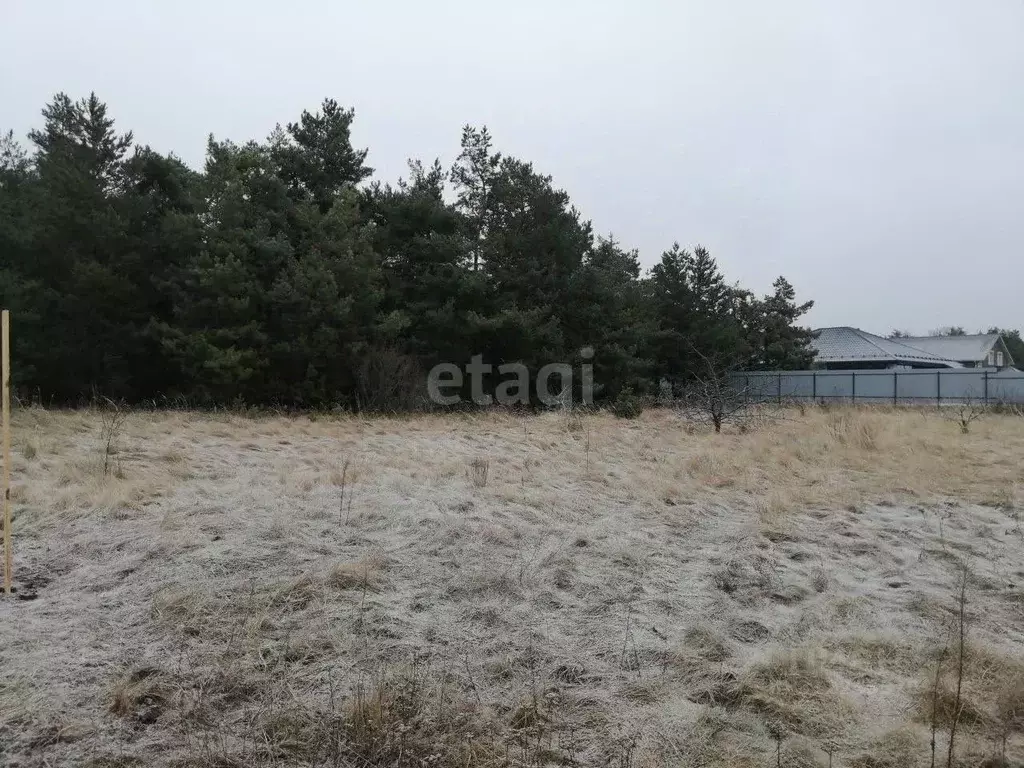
(283, 274)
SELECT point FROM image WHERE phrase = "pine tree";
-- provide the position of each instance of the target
(473, 177)
(427, 291)
(609, 316)
(784, 344)
(91, 341)
(272, 275)
(696, 316)
(316, 158)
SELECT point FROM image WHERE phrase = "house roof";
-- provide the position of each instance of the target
(849, 345)
(972, 347)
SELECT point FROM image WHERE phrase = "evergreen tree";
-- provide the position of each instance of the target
(89, 338)
(315, 156)
(696, 318)
(535, 244)
(609, 316)
(473, 177)
(784, 344)
(427, 291)
(273, 276)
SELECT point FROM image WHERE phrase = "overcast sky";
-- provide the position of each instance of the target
(872, 152)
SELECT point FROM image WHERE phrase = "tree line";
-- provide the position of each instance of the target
(282, 273)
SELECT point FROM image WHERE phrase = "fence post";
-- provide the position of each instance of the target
(938, 386)
(853, 387)
(895, 384)
(780, 389)
(814, 385)
(986, 386)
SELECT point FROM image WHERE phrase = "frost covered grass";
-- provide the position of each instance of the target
(494, 589)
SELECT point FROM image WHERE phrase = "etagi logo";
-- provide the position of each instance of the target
(446, 380)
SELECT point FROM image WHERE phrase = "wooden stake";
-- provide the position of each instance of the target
(5, 374)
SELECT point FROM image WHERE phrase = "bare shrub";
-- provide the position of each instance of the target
(712, 396)
(344, 500)
(958, 708)
(390, 382)
(112, 420)
(1008, 408)
(965, 412)
(1009, 709)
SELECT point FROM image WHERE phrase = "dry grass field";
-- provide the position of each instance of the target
(510, 590)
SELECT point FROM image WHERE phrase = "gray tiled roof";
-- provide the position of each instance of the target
(848, 345)
(972, 347)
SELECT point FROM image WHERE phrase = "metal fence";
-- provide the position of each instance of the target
(924, 387)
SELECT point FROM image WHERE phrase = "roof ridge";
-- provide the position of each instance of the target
(899, 344)
(956, 336)
(870, 339)
(880, 347)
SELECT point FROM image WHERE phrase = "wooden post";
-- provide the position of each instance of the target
(5, 373)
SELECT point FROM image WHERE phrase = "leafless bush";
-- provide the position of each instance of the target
(1007, 407)
(962, 626)
(112, 420)
(389, 381)
(345, 500)
(965, 412)
(713, 396)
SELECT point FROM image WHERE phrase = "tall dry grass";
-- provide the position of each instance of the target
(495, 589)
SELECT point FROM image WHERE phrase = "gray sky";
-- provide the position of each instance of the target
(872, 152)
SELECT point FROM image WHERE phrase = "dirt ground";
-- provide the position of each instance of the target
(217, 590)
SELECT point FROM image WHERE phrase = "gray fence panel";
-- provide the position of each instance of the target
(834, 385)
(917, 386)
(763, 386)
(1006, 388)
(963, 386)
(876, 385)
(797, 385)
(925, 387)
